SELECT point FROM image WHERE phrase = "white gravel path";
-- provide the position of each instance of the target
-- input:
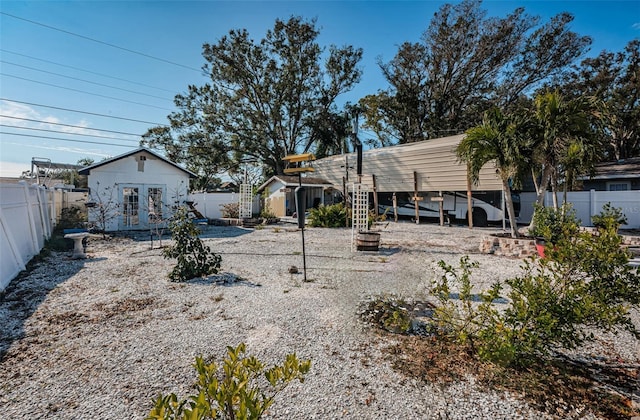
(100, 337)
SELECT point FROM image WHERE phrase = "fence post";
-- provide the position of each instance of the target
(32, 221)
(42, 203)
(592, 204)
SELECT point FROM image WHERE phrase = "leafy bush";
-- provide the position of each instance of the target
(266, 212)
(553, 224)
(584, 281)
(333, 216)
(71, 218)
(232, 390)
(389, 313)
(230, 211)
(609, 217)
(195, 259)
(456, 316)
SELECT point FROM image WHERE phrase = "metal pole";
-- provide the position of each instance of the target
(304, 254)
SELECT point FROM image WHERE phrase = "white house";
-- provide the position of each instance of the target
(134, 189)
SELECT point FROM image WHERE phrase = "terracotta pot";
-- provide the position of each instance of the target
(540, 244)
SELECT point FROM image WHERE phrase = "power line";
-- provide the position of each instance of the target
(82, 91)
(57, 138)
(81, 112)
(84, 80)
(65, 132)
(86, 71)
(101, 42)
(68, 125)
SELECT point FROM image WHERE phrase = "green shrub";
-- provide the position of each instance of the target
(609, 217)
(230, 210)
(71, 218)
(232, 390)
(195, 259)
(553, 224)
(456, 316)
(584, 282)
(389, 313)
(333, 216)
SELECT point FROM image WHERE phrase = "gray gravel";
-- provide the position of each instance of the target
(100, 337)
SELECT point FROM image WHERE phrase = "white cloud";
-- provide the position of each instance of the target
(17, 114)
(64, 149)
(636, 26)
(13, 169)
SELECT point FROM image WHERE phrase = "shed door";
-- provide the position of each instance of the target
(130, 207)
(141, 204)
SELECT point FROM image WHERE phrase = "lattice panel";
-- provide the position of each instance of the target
(245, 205)
(359, 211)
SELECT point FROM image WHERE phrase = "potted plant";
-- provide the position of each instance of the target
(552, 226)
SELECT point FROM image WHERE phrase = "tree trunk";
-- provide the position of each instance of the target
(510, 209)
(554, 191)
(542, 190)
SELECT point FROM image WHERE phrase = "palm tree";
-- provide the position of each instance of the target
(563, 139)
(496, 140)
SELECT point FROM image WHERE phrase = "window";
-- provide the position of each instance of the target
(618, 186)
(130, 206)
(154, 203)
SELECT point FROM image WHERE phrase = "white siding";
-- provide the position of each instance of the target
(130, 171)
(435, 162)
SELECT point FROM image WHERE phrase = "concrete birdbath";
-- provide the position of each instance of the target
(78, 248)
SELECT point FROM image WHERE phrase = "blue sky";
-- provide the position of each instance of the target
(45, 73)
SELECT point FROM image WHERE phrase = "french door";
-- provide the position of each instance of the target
(141, 204)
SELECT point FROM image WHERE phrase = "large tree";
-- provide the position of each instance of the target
(465, 64)
(614, 79)
(266, 99)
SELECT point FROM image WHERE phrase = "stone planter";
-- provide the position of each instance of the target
(506, 246)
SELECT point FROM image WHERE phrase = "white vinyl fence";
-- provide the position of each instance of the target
(588, 204)
(209, 203)
(27, 218)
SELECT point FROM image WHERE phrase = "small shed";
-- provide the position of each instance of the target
(280, 193)
(622, 175)
(136, 189)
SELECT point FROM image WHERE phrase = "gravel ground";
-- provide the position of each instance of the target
(98, 338)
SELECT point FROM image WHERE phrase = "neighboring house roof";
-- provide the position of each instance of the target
(228, 184)
(627, 168)
(293, 181)
(87, 170)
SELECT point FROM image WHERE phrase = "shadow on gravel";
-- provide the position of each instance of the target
(206, 232)
(388, 251)
(29, 289)
(476, 298)
(224, 279)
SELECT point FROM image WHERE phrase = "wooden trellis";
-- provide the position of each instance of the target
(245, 204)
(359, 211)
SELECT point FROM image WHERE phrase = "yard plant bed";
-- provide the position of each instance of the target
(101, 337)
